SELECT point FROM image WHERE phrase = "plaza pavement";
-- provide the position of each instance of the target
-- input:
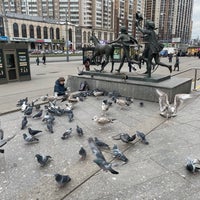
(154, 171)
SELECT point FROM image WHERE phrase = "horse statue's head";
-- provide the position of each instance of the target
(94, 39)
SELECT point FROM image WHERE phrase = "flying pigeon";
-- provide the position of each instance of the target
(82, 153)
(66, 134)
(42, 160)
(142, 137)
(33, 132)
(62, 180)
(100, 159)
(170, 110)
(118, 154)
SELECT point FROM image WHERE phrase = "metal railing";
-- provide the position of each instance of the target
(195, 77)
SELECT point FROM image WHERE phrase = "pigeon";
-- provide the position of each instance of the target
(42, 160)
(50, 126)
(38, 115)
(97, 93)
(168, 110)
(21, 101)
(24, 106)
(142, 137)
(193, 165)
(70, 115)
(44, 98)
(118, 154)
(24, 122)
(121, 102)
(29, 110)
(62, 179)
(82, 153)
(69, 106)
(5, 141)
(66, 134)
(101, 144)
(125, 137)
(102, 120)
(141, 104)
(79, 130)
(105, 105)
(100, 159)
(30, 138)
(1, 132)
(33, 132)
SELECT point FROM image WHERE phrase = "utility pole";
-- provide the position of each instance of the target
(67, 35)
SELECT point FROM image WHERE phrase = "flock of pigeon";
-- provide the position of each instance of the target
(51, 110)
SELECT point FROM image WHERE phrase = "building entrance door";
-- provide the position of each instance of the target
(10, 65)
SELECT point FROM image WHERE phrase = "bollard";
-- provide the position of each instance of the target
(195, 79)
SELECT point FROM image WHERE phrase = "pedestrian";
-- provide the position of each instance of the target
(87, 63)
(44, 59)
(37, 60)
(59, 87)
(170, 56)
(176, 65)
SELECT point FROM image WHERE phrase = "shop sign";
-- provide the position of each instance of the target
(18, 39)
(3, 38)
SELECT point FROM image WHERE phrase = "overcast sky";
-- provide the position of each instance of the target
(196, 19)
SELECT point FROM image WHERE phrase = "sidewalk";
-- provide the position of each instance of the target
(154, 171)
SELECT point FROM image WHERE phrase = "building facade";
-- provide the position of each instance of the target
(103, 17)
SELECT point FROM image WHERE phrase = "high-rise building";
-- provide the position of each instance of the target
(175, 20)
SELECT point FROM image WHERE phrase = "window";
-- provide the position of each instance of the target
(45, 32)
(16, 30)
(57, 33)
(51, 33)
(38, 32)
(31, 31)
(24, 33)
(70, 34)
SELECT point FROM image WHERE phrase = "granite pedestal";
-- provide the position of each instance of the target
(138, 88)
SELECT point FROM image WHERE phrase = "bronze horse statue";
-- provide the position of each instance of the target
(102, 50)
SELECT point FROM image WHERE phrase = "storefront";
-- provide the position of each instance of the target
(14, 62)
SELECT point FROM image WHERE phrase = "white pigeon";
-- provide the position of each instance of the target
(24, 106)
(170, 110)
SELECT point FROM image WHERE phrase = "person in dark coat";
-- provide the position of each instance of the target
(59, 88)
(176, 65)
(44, 59)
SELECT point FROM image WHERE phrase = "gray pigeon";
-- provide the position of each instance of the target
(28, 110)
(125, 137)
(142, 137)
(24, 122)
(62, 180)
(66, 134)
(30, 138)
(42, 160)
(193, 165)
(82, 153)
(101, 144)
(118, 154)
(33, 132)
(38, 115)
(79, 130)
(100, 159)
(50, 126)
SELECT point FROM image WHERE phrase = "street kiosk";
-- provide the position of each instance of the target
(14, 62)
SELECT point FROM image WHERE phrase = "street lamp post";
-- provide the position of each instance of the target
(67, 37)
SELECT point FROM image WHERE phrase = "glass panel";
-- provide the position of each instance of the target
(10, 61)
